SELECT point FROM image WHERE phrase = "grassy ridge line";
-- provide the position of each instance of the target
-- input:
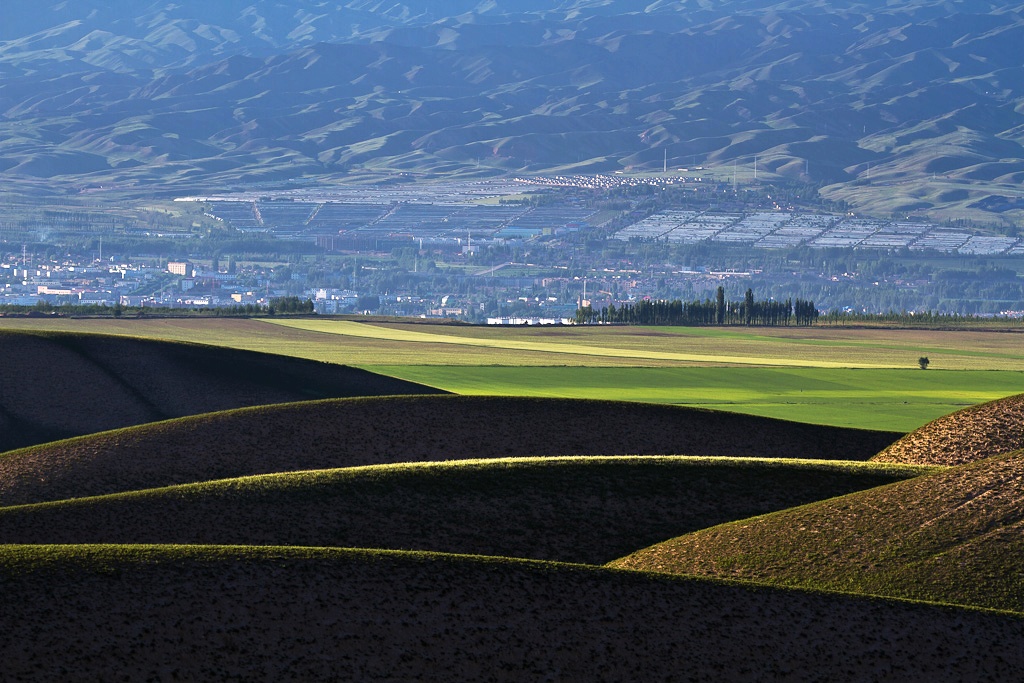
(952, 536)
(587, 510)
(369, 431)
(317, 614)
(24, 559)
(353, 329)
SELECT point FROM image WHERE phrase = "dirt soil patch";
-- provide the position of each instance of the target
(57, 385)
(587, 510)
(272, 614)
(965, 436)
(346, 433)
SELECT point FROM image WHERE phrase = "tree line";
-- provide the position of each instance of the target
(289, 305)
(765, 313)
(924, 319)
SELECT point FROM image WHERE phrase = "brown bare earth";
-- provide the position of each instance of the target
(76, 614)
(58, 385)
(964, 436)
(955, 536)
(589, 510)
(367, 431)
(262, 611)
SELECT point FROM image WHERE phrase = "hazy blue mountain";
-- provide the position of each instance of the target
(236, 91)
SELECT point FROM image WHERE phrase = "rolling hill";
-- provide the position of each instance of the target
(908, 107)
(207, 573)
(366, 431)
(81, 612)
(967, 435)
(588, 510)
(954, 536)
(55, 386)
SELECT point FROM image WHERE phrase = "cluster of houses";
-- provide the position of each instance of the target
(173, 285)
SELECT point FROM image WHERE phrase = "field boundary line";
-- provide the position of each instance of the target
(368, 331)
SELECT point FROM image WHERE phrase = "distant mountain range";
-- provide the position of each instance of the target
(925, 98)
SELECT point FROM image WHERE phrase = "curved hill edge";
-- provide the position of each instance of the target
(967, 435)
(953, 536)
(314, 613)
(55, 385)
(592, 509)
(363, 431)
(34, 557)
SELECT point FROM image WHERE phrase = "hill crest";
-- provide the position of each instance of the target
(856, 96)
(967, 435)
(365, 431)
(954, 536)
(59, 385)
(591, 509)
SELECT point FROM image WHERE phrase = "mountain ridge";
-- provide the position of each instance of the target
(852, 97)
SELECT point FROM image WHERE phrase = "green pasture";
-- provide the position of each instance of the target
(838, 376)
(370, 344)
(818, 347)
(891, 400)
(843, 378)
(556, 343)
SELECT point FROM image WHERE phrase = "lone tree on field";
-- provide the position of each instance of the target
(923, 362)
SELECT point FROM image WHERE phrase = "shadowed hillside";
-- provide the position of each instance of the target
(313, 614)
(588, 510)
(345, 433)
(964, 436)
(956, 536)
(54, 386)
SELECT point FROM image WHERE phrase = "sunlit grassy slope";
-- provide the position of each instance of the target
(967, 435)
(953, 536)
(864, 378)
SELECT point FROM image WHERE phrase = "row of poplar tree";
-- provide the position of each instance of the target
(700, 313)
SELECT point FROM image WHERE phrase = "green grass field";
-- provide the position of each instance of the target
(847, 377)
(773, 347)
(853, 378)
(888, 400)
